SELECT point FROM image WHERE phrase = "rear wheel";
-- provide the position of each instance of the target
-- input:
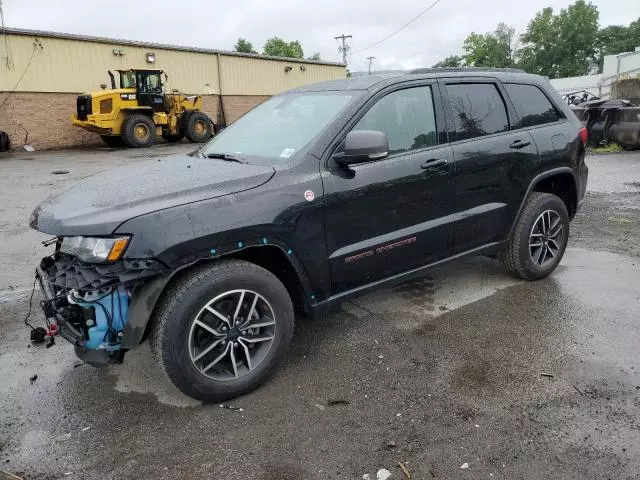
(539, 238)
(112, 140)
(198, 127)
(222, 330)
(139, 131)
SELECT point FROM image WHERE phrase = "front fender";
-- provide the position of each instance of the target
(273, 214)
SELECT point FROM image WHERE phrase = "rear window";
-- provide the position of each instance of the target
(478, 110)
(532, 105)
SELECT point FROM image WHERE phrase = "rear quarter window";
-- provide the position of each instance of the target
(532, 105)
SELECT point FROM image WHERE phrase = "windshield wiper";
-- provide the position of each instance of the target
(226, 156)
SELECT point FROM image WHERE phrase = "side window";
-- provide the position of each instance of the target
(478, 109)
(407, 118)
(532, 105)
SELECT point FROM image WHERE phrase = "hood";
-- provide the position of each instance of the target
(110, 92)
(98, 204)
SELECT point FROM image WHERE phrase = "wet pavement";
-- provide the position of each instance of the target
(519, 380)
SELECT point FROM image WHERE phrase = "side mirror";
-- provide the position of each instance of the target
(362, 146)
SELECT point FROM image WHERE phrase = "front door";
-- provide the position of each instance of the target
(492, 162)
(388, 216)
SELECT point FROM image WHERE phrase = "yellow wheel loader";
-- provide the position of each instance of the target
(139, 111)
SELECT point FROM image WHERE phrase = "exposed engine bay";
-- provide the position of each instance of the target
(88, 304)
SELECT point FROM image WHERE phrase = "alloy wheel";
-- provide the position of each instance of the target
(231, 335)
(545, 238)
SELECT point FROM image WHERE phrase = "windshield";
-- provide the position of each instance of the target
(281, 126)
(127, 80)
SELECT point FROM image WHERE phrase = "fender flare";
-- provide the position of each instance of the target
(534, 182)
(145, 297)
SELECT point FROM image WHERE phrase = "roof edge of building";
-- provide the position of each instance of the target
(134, 43)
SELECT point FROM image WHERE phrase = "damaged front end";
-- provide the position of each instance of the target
(90, 304)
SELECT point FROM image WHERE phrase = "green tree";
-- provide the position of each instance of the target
(617, 39)
(450, 61)
(243, 46)
(560, 45)
(494, 49)
(315, 56)
(276, 47)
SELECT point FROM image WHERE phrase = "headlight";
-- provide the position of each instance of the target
(94, 250)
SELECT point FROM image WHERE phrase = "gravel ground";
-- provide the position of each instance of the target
(436, 373)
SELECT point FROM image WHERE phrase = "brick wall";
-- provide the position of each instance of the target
(237, 105)
(46, 116)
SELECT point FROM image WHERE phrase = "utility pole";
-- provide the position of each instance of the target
(344, 48)
(370, 60)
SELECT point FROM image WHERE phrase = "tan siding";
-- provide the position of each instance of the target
(254, 76)
(75, 66)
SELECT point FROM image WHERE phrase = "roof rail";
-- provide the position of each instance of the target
(465, 69)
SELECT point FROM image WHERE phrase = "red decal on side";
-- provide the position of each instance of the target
(359, 256)
(400, 243)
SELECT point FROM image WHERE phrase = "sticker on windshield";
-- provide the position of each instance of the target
(287, 152)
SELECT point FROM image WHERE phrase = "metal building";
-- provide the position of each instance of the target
(41, 73)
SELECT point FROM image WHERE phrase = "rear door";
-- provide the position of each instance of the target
(542, 119)
(491, 161)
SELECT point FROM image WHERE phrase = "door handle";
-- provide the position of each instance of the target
(520, 144)
(433, 163)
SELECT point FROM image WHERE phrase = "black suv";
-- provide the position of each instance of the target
(318, 194)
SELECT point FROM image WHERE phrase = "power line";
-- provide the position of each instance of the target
(7, 49)
(401, 28)
(344, 48)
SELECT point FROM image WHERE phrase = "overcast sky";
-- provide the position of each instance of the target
(217, 24)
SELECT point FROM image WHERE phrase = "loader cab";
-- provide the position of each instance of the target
(148, 85)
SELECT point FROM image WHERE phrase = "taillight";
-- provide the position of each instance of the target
(584, 135)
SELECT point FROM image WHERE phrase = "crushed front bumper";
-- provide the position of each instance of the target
(89, 303)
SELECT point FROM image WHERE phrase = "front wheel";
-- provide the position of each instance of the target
(222, 329)
(539, 239)
(198, 127)
(139, 131)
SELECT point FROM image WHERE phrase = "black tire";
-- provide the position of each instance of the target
(139, 131)
(173, 138)
(112, 141)
(518, 256)
(181, 304)
(198, 127)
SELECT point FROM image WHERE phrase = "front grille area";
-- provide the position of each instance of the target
(67, 272)
(83, 104)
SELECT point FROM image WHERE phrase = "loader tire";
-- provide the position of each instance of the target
(139, 131)
(198, 127)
